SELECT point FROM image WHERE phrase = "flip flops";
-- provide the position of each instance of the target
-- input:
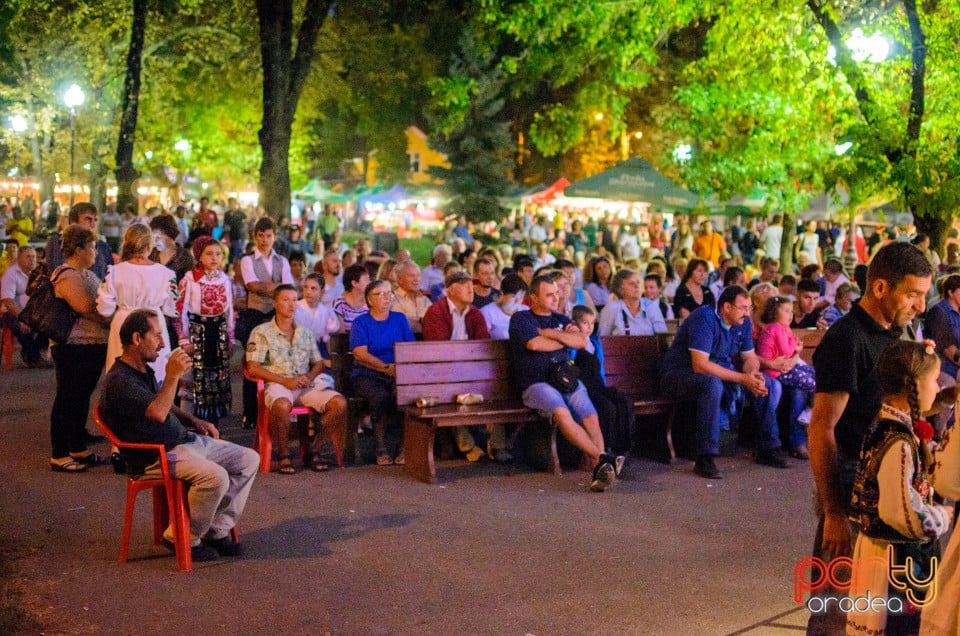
(69, 465)
(286, 468)
(313, 463)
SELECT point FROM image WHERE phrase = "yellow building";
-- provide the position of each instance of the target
(422, 157)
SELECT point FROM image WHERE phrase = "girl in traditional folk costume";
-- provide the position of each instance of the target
(205, 329)
(892, 501)
(942, 617)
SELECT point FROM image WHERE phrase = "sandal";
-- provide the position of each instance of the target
(286, 468)
(67, 465)
(313, 463)
(90, 459)
(383, 459)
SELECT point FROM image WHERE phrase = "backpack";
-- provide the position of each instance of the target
(45, 313)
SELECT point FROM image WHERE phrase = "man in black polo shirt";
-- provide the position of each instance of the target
(220, 473)
(848, 393)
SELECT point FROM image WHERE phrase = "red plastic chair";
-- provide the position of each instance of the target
(262, 441)
(169, 494)
(6, 346)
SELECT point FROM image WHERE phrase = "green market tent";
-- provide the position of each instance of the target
(315, 190)
(635, 180)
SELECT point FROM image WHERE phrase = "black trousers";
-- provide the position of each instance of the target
(32, 345)
(78, 369)
(247, 320)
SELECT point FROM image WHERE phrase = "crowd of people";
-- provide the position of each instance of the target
(166, 300)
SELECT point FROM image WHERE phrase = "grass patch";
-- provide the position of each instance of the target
(421, 249)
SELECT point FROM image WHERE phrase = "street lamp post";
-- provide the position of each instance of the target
(19, 125)
(74, 97)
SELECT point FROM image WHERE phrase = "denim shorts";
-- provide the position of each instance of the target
(546, 399)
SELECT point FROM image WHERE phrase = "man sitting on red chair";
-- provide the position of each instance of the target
(285, 356)
(220, 473)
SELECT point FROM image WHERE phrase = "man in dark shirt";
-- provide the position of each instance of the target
(235, 226)
(848, 393)
(805, 312)
(538, 342)
(699, 365)
(484, 279)
(220, 473)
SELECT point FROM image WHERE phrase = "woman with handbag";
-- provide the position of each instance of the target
(79, 361)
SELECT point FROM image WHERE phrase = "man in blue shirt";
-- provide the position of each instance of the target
(699, 365)
(539, 339)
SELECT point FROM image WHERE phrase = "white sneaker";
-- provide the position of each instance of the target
(804, 417)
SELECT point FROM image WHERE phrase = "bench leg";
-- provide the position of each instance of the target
(418, 449)
(668, 435)
(553, 463)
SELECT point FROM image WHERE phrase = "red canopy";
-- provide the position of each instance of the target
(548, 194)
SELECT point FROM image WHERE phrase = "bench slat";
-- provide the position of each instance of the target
(444, 371)
(453, 351)
(491, 389)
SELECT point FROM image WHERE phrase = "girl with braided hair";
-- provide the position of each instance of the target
(892, 501)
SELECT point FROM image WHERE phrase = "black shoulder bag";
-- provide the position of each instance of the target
(45, 313)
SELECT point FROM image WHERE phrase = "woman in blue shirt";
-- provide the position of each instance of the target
(374, 372)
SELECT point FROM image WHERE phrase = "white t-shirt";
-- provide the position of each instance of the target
(770, 240)
(321, 320)
(110, 225)
(498, 323)
(629, 245)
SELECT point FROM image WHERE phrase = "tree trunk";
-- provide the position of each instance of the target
(36, 164)
(98, 184)
(284, 74)
(786, 244)
(933, 225)
(126, 174)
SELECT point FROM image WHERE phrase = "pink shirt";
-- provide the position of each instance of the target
(776, 340)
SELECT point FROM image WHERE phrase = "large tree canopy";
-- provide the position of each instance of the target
(765, 104)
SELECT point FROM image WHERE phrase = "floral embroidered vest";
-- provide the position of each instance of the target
(891, 427)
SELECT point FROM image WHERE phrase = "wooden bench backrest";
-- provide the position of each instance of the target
(443, 370)
(341, 361)
(632, 364)
(811, 340)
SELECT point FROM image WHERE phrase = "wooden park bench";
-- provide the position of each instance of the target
(632, 366)
(811, 340)
(444, 370)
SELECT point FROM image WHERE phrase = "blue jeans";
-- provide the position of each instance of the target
(707, 390)
(797, 399)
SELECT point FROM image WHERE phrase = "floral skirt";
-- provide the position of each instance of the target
(211, 367)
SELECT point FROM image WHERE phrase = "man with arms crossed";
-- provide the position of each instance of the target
(538, 341)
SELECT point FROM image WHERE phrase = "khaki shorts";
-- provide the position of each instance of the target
(315, 397)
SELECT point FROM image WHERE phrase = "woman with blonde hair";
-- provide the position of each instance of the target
(388, 272)
(134, 283)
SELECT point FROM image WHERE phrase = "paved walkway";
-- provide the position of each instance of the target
(367, 550)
